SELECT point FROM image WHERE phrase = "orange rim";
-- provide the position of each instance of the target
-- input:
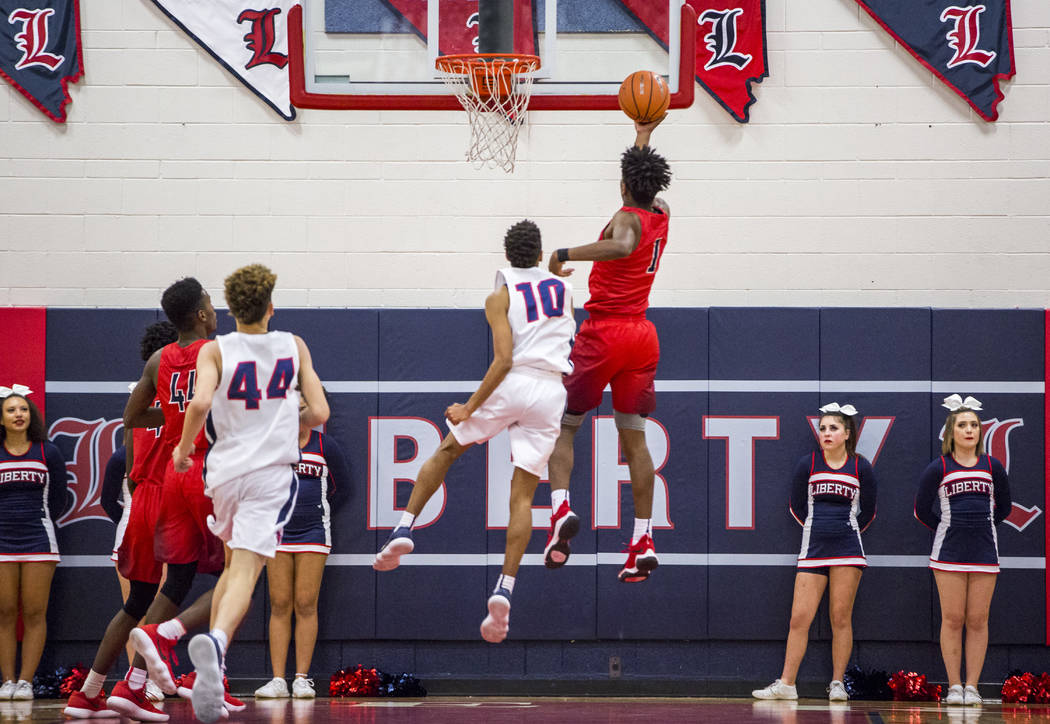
(468, 63)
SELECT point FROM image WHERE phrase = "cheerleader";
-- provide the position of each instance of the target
(833, 499)
(32, 491)
(294, 574)
(963, 495)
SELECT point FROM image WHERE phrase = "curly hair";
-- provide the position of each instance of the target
(35, 429)
(157, 335)
(248, 292)
(181, 302)
(522, 244)
(645, 173)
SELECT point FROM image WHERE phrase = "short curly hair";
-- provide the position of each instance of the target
(157, 335)
(248, 291)
(522, 244)
(181, 301)
(645, 173)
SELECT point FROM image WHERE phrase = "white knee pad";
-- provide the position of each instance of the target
(629, 421)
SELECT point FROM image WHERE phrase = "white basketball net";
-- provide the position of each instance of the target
(495, 94)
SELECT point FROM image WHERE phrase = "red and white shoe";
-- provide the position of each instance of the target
(564, 525)
(133, 703)
(159, 653)
(641, 561)
(80, 706)
(231, 702)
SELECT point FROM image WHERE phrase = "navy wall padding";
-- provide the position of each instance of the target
(777, 365)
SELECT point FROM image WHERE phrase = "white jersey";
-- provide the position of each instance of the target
(540, 317)
(254, 419)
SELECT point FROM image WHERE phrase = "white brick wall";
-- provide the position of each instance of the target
(861, 180)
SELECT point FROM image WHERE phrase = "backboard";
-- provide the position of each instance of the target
(380, 54)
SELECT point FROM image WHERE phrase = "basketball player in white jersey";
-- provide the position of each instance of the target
(250, 381)
(530, 314)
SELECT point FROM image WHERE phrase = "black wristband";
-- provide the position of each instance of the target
(562, 254)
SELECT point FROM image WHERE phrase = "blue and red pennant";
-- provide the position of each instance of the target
(968, 44)
(730, 47)
(40, 51)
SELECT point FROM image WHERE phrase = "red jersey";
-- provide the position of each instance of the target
(621, 286)
(175, 381)
(151, 455)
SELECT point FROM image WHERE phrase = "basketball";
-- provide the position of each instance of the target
(644, 96)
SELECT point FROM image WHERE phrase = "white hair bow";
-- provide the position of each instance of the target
(14, 390)
(954, 403)
(833, 407)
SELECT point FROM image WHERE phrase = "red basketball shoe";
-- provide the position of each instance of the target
(564, 525)
(641, 560)
(159, 653)
(80, 706)
(133, 703)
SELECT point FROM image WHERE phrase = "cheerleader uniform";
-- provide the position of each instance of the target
(963, 505)
(833, 506)
(32, 492)
(322, 470)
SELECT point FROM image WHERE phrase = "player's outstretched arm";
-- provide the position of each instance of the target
(139, 410)
(625, 230)
(316, 411)
(209, 365)
(642, 131)
(496, 308)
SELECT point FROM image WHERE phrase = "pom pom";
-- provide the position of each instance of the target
(910, 686)
(1026, 688)
(59, 683)
(358, 682)
(1017, 689)
(867, 686)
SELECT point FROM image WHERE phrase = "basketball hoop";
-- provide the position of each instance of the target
(494, 90)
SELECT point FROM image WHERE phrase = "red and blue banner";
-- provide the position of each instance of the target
(40, 51)
(730, 48)
(968, 44)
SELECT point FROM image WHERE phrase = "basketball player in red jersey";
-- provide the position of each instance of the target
(617, 345)
(181, 536)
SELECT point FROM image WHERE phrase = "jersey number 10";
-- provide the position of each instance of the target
(244, 385)
(552, 298)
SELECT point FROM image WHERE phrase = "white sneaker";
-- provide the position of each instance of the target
(955, 695)
(970, 696)
(153, 692)
(777, 690)
(24, 691)
(303, 688)
(7, 689)
(837, 692)
(495, 626)
(275, 688)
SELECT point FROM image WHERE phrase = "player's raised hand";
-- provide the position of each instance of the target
(457, 413)
(644, 130)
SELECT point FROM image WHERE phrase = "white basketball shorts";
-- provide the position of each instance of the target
(529, 404)
(251, 510)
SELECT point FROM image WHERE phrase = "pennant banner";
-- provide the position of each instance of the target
(458, 29)
(730, 47)
(40, 51)
(968, 45)
(249, 38)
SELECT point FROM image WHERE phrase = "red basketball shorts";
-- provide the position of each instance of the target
(135, 556)
(617, 351)
(182, 534)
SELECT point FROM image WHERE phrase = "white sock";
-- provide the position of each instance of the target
(137, 678)
(93, 684)
(558, 497)
(642, 526)
(172, 629)
(505, 582)
(221, 638)
(301, 676)
(407, 520)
